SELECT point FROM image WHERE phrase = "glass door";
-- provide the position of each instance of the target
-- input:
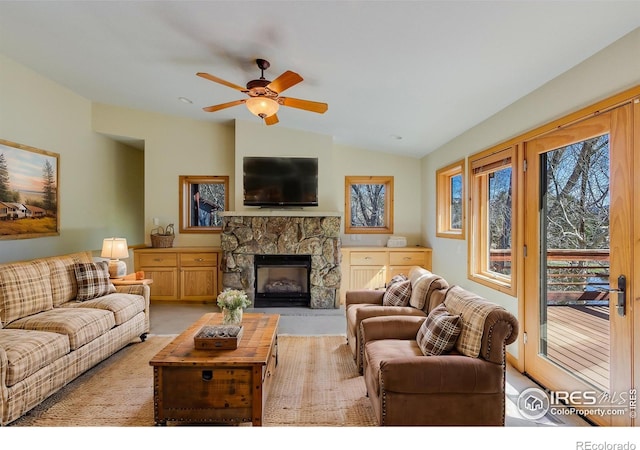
(578, 213)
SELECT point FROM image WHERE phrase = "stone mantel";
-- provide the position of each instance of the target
(280, 213)
(283, 232)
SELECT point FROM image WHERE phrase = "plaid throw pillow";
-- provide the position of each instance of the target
(397, 279)
(93, 280)
(439, 332)
(473, 311)
(397, 294)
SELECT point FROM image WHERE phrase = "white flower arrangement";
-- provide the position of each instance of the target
(233, 299)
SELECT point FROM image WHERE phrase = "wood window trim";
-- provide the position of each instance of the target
(443, 200)
(481, 164)
(388, 211)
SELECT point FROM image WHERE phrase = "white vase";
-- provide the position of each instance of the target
(232, 316)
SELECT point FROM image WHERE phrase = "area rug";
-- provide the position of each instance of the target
(316, 383)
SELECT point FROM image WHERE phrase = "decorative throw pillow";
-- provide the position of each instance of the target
(93, 280)
(397, 294)
(396, 279)
(473, 311)
(439, 332)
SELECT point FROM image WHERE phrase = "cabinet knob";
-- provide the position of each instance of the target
(157, 259)
(200, 259)
(407, 258)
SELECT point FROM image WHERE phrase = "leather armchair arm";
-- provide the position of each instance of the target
(444, 374)
(390, 327)
(369, 296)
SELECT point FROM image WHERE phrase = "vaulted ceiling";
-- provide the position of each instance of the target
(399, 76)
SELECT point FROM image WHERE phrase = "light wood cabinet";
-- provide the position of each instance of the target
(181, 273)
(373, 267)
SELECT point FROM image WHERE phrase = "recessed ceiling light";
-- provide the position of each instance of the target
(185, 100)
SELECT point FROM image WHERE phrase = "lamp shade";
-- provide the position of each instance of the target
(262, 106)
(115, 248)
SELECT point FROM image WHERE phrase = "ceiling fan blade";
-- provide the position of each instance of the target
(284, 81)
(271, 120)
(223, 106)
(221, 81)
(307, 105)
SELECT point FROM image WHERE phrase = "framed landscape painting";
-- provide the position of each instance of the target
(28, 192)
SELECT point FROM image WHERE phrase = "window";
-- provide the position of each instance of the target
(450, 201)
(368, 205)
(492, 253)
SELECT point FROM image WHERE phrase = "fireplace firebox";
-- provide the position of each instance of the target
(282, 280)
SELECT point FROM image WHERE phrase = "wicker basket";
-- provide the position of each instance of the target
(162, 238)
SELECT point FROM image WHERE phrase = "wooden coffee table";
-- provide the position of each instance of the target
(216, 386)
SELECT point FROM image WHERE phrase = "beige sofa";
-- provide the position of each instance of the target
(60, 316)
(427, 291)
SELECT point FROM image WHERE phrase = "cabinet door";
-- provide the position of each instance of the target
(367, 277)
(198, 283)
(165, 282)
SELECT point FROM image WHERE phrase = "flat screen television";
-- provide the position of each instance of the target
(280, 181)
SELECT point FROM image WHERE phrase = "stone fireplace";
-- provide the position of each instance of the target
(246, 234)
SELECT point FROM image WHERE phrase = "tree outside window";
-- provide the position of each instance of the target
(492, 209)
(368, 204)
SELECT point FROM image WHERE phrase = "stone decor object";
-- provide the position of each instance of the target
(244, 236)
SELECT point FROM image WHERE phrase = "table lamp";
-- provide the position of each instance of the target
(114, 249)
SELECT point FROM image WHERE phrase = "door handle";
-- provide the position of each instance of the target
(622, 295)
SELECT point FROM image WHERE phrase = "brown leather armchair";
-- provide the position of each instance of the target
(363, 304)
(407, 388)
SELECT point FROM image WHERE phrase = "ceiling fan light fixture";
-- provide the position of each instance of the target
(262, 106)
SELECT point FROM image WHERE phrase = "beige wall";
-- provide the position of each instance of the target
(349, 161)
(172, 147)
(99, 179)
(109, 188)
(610, 71)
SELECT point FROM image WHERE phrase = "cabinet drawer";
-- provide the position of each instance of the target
(157, 259)
(407, 258)
(368, 259)
(198, 259)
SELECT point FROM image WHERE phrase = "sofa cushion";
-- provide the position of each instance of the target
(29, 351)
(386, 349)
(24, 290)
(422, 289)
(93, 280)
(81, 325)
(123, 306)
(473, 310)
(397, 294)
(439, 332)
(64, 286)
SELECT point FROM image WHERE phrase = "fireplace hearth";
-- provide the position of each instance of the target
(282, 280)
(247, 236)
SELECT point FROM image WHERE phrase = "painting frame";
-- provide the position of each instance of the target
(199, 213)
(25, 211)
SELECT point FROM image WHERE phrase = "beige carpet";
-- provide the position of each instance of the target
(316, 384)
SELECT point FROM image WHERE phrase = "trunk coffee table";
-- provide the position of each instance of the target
(216, 386)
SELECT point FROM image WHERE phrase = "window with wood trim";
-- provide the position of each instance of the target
(368, 205)
(492, 253)
(450, 201)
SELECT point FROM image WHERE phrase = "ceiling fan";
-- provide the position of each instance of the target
(264, 95)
